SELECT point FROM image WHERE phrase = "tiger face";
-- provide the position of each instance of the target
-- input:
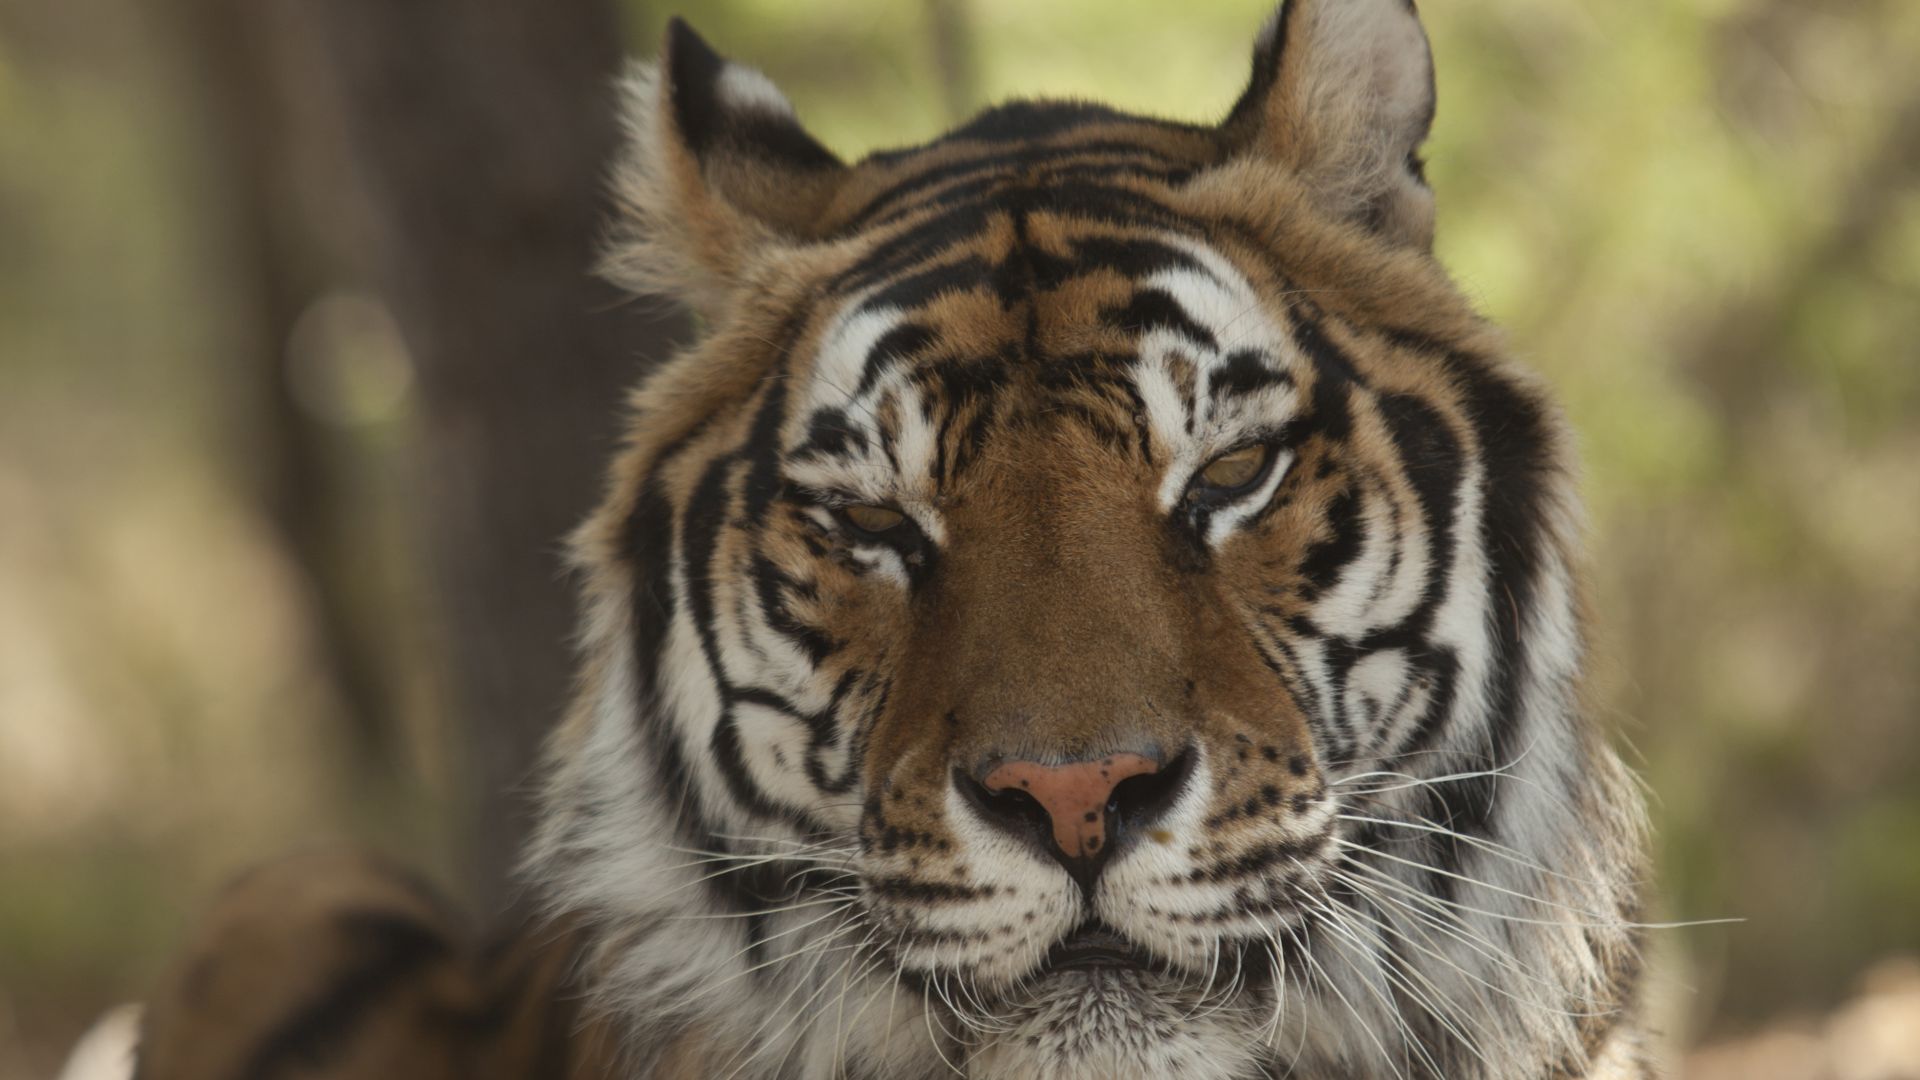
(1096, 603)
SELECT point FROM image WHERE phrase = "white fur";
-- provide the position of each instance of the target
(1222, 300)
(834, 383)
(106, 1051)
(745, 89)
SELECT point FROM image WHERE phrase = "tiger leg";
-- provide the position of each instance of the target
(326, 964)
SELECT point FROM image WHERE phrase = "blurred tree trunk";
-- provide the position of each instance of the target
(482, 133)
(276, 264)
(955, 68)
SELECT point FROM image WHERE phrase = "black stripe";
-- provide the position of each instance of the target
(917, 890)
(902, 343)
(1131, 257)
(829, 434)
(1326, 558)
(385, 948)
(650, 546)
(1111, 207)
(1336, 377)
(820, 724)
(1048, 177)
(772, 585)
(908, 248)
(1434, 464)
(826, 731)
(1156, 309)
(960, 385)
(1104, 154)
(1256, 860)
(1246, 371)
(921, 287)
(1515, 445)
(707, 513)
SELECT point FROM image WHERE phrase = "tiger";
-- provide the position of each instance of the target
(1096, 602)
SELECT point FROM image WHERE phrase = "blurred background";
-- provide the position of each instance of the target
(302, 376)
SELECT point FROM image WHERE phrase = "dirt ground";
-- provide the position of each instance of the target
(1876, 1036)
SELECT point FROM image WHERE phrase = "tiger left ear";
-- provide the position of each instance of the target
(1342, 94)
(717, 171)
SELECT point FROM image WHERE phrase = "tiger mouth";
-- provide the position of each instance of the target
(1250, 966)
(1094, 947)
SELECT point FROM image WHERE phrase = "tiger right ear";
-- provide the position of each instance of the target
(1342, 94)
(717, 172)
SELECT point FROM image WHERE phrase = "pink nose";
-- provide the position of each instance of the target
(1074, 795)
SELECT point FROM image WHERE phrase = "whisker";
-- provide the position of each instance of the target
(1502, 890)
(1501, 961)
(1427, 825)
(1327, 980)
(1606, 922)
(785, 957)
(926, 1010)
(798, 1013)
(836, 897)
(1480, 945)
(1445, 1015)
(1409, 1042)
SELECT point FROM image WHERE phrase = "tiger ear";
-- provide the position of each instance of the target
(1342, 94)
(717, 172)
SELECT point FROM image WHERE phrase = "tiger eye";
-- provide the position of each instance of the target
(1236, 469)
(873, 519)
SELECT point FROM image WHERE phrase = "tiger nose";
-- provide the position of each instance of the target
(1081, 806)
(1074, 796)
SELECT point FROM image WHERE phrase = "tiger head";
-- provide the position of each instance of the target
(1095, 602)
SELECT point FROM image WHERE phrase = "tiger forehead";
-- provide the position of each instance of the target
(1036, 145)
(1151, 339)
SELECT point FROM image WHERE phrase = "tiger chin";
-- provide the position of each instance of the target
(1096, 602)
